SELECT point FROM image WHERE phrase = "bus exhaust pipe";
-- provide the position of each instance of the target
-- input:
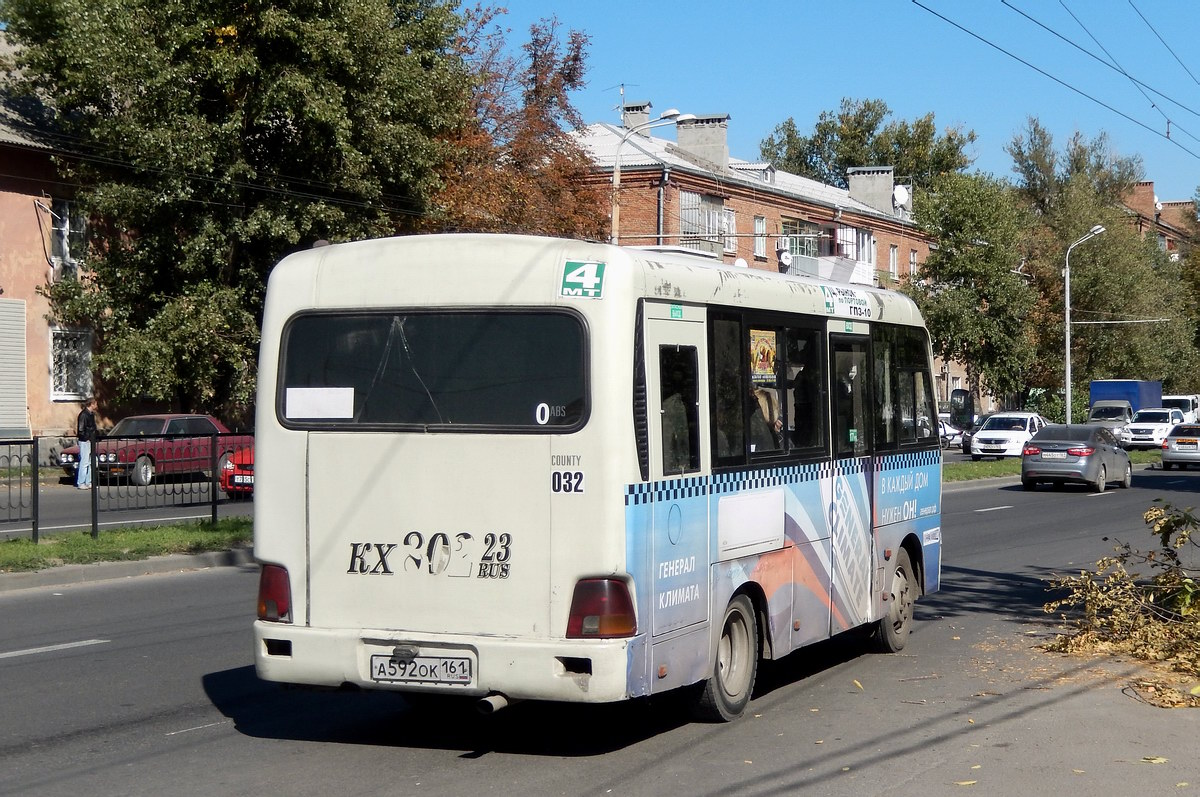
(491, 704)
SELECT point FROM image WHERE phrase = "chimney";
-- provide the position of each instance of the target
(636, 113)
(872, 185)
(1142, 199)
(705, 138)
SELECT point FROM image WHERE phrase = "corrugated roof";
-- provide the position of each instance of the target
(13, 129)
(601, 140)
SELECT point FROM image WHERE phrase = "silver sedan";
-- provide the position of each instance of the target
(1079, 453)
(1182, 446)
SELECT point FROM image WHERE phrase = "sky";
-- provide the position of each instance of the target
(1128, 68)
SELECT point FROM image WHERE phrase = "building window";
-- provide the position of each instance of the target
(700, 221)
(729, 223)
(67, 245)
(847, 243)
(894, 261)
(803, 238)
(760, 236)
(912, 262)
(71, 364)
(864, 245)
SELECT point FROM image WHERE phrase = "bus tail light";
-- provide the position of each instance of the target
(601, 609)
(274, 594)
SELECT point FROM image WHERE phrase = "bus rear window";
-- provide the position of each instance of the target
(469, 371)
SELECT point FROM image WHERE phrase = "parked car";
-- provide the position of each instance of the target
(1149, 427)
(970, 432)
(142, 447)
(237, 473)
(951, 437)
(1181, 446)
(1004, 434)
(1079, 453)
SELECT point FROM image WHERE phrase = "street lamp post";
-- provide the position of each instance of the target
(669, 116)
(1092, 233)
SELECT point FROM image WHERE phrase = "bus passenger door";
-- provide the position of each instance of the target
(851, 414)
(677, 406)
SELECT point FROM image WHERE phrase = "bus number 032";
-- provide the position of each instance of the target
(566, 481)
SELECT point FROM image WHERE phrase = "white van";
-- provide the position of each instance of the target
(1189, 405)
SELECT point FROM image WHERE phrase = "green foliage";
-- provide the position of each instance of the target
(1044, 173)
(213, 139)
(1151, 615)
(857, 135)
(124, 544)
(974, 304)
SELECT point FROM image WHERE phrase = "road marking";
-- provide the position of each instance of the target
(197, 728)
(993, 508)
(51, 648)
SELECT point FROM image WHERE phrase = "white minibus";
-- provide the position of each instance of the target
(513, 467)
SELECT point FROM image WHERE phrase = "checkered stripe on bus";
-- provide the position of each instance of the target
(909, 459)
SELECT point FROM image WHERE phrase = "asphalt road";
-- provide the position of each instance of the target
(146, 686)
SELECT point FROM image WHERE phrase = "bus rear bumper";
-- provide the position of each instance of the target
(579, 671)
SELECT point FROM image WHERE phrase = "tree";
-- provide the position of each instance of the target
(1121, 284)
(1043, 173)
(857, 136)
(208, 139)
(974, 303)
(515, 167)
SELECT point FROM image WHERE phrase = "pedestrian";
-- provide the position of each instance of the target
(88, 434)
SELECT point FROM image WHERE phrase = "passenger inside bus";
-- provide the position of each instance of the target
(766, 424)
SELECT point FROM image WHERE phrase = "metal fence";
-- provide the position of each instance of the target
(128, 474)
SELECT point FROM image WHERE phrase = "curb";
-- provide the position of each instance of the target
(105, 571)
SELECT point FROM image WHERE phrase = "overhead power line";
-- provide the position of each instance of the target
(1059, 81)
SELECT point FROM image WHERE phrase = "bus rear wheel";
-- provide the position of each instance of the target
(891, 632)
(727, 692)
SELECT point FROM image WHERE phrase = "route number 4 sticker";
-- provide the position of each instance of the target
(583, 279)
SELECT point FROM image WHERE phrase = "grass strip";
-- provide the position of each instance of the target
(1011, 466)
(78, 548)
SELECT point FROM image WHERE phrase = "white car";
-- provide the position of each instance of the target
(1187, 404)
(1004, 434)
(1149, 427)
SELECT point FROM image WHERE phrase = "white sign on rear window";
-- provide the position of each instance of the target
(319, 402)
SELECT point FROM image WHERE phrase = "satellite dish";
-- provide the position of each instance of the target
(900, 196)
(785, 258)
(1157, 204)
(741, 263)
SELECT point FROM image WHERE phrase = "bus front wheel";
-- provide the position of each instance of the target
(727, 692)
(891, 632)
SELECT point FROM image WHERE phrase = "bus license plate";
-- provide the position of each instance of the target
(421, 670)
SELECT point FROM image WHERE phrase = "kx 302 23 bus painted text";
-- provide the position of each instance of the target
(526, 468)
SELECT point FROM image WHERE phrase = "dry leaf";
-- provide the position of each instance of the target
(860, 686)
(965, 782)
(1153, 759)
(970, 720)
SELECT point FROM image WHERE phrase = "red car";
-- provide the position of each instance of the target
(237, 473)
(144, 446)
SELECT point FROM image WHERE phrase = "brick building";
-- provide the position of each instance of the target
(45, 368)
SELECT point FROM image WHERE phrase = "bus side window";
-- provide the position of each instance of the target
(728, 394)
(680, 415)
(806, 404)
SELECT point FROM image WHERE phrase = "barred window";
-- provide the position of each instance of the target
(71, 364)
